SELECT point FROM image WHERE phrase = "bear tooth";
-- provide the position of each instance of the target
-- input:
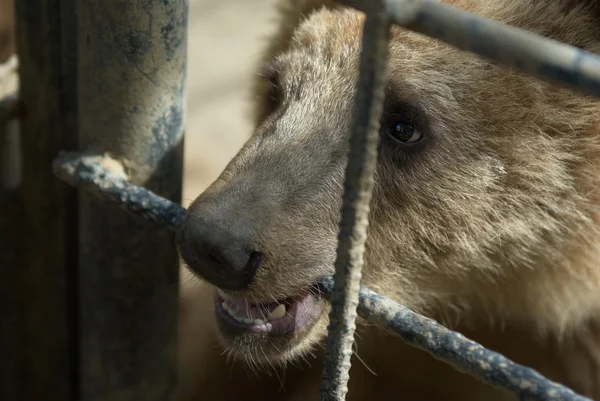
(230, 310)
(223, 295)
(277, 313)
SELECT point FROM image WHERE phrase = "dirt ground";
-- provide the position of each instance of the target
(224, 39)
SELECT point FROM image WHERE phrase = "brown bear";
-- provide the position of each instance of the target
(485, 215)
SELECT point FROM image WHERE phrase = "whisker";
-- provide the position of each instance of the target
(260, 309)
(355, 352)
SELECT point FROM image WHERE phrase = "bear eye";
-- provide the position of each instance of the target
(404, 132)
(271, 93)
(274, 95)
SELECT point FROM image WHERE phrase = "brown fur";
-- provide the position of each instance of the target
(492, 228)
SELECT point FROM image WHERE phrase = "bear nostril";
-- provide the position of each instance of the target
(254, 262)
(217, 255)
(217, 260)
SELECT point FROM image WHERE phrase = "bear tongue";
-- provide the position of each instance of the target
(267, 311)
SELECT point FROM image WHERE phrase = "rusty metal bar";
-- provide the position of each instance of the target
(455, 349)
(529, 53)
(131, 68)
(91, 174)
(105, 177)
(358, 187)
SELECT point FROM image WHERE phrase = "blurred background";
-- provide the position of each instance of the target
(224, 41)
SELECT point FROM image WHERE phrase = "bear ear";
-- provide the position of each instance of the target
(291, 13)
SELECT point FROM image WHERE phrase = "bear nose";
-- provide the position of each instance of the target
(217, 255)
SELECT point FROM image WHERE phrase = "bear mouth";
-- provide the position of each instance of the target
(291, 315)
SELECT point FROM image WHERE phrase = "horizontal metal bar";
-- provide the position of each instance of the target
(104, 177)
(527, 52)
(455, 349)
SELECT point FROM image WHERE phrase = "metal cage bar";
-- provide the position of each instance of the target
(358, 188)
(527, 52)
(93, 291)
(131, 69)
(42, 228)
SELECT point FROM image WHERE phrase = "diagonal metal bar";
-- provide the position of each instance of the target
(358, 188)
(529, 53)
(455, 349)
(103, 177)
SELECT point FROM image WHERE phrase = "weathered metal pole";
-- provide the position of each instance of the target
(131, 87)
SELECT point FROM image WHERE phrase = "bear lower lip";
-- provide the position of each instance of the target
(241, 316)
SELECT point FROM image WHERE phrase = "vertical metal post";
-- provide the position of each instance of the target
(358, 187)
(42, 224)
(131, 87)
